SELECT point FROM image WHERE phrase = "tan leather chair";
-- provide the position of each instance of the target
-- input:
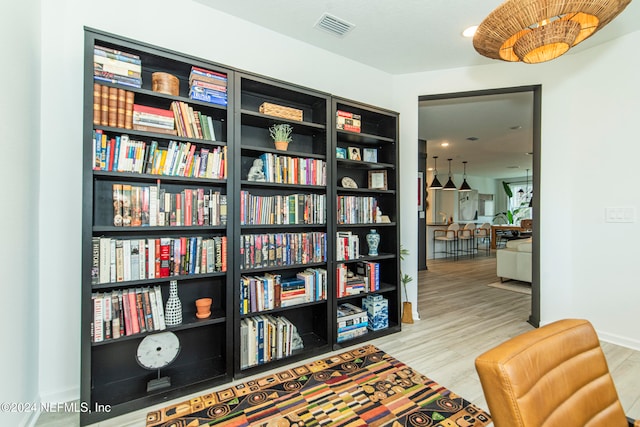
(554, 376)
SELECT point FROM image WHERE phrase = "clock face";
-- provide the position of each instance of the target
(158, 350)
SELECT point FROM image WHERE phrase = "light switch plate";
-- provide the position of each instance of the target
(620, 214)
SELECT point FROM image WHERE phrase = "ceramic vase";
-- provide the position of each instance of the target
(173, 309)
(373, 240)
(203, 307)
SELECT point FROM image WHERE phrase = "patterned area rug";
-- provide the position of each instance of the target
(513, 285)
(361, 387)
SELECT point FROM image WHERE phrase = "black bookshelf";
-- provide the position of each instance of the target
(310, 143)
(377, 133)
(210, 351)
(110, 373)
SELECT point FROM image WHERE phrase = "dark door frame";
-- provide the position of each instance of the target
(534, 317)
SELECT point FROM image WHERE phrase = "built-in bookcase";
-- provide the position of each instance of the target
(287, 213)
(263, 249)
(111, 374)
(366, 194)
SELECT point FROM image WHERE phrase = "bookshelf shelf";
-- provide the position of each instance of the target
(212, 349)
(189, 321)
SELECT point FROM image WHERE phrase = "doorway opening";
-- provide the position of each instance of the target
(496, 133)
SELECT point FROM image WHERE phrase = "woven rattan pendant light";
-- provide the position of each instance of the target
(534, 31)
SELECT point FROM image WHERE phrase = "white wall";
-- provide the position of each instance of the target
(590, 110)
(19, 130)
(190, 28)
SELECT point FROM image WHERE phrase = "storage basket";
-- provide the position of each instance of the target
(281, 111)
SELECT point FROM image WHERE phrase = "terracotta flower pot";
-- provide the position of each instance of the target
(281, 145)
(203, 307)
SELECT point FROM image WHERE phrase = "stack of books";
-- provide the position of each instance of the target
(208, 86)
(114, 66)
(348, 121)
(352, 322)
(347, 284)
(153, 119)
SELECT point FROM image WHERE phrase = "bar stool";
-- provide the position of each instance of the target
(467, 239)
(450, 239)
(483, 237)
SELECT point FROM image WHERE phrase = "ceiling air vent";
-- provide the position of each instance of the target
(334, 25)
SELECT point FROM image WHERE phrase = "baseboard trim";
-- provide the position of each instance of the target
(618, 340)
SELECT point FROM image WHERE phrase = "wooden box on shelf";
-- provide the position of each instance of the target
(281, 111)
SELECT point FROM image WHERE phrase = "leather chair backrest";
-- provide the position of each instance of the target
(554, 376)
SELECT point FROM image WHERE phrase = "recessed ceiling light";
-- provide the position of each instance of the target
(469, 32)
(473, 138)
(529, 154)
(444, 144)
(515, 127)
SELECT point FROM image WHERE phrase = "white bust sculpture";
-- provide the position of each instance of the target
(255, 172)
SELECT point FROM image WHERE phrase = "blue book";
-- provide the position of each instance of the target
(116, 154)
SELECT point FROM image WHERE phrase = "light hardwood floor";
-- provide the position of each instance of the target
(461, 317)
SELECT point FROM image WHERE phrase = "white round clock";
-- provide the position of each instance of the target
(158, 350)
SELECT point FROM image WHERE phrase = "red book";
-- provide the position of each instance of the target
(165, 257)
(188, 205)
(112, 150)
(157, 260)
(224, 253)
(127, 313)
(133, 312)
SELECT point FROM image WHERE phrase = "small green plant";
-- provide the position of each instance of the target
(281, 132)
(404, 278)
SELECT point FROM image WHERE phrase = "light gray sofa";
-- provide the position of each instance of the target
(514, 261)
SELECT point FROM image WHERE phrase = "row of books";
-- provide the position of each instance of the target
(278, 249)
(348, 121)
(191, 123)
(271, 291)
(282, 209)
(365, 279)
(352, 322)
(115, 66)
(265, 338)
(208, 86)
(357, 209)
(347, 246)
(112, 106)
(120, 153)
(293, 170)
(152, 206)
(122, 260)
(126, 312)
